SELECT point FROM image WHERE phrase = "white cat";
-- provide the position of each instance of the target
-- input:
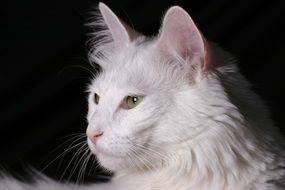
(173, 113)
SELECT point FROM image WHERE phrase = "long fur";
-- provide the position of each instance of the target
(208, 132)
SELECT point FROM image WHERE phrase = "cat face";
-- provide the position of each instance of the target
(127, 132)
(161, 74)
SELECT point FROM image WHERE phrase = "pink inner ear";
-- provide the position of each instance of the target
(131, 32)
(180, 34)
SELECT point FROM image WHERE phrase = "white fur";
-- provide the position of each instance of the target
(194, 130)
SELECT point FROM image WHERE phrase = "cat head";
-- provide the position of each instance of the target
(144, 101)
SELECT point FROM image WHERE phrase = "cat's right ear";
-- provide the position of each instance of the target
(120, 32)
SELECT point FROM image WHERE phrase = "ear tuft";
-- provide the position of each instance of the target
(121, 33)
(110, 35)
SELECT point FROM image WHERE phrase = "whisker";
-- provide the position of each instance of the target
(87, 156)
(77, 162)
(70, 147)
(75, 156)
(144, 161)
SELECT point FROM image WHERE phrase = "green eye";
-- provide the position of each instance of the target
(96, 98)
(133, 101)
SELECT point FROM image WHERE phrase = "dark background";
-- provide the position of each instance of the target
(44, 68)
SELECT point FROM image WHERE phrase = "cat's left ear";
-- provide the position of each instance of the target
(121, 33)
(179, 36)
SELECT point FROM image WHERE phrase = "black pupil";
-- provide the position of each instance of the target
(135, 99)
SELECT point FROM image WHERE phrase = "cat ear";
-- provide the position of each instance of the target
(180, 36)
(121, 33)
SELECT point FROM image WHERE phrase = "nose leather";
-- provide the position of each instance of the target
(94, 135)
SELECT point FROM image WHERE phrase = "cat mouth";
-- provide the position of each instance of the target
(103, 153)
(100, 152)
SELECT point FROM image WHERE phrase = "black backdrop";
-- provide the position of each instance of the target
(44, 69)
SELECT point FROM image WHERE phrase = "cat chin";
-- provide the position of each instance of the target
(110, 163)
(107, 160)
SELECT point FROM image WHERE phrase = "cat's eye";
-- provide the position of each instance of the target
(132, 101)
(96, 98)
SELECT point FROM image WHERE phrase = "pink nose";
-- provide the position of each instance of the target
(94, 136)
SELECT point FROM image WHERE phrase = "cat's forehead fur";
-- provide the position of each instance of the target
(137, 70)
